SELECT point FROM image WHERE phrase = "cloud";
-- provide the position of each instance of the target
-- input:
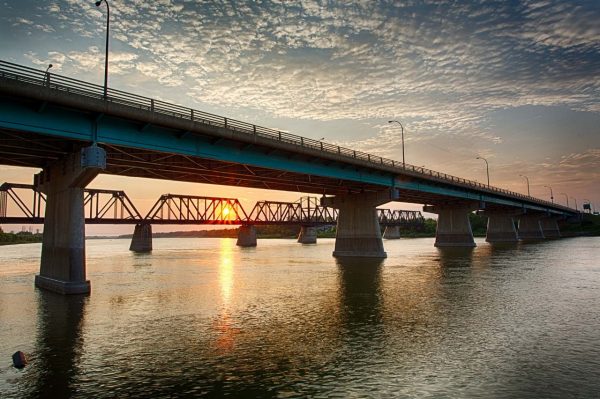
(442, 67)
(588, 160)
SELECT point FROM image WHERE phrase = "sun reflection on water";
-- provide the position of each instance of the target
(226, 271)
(223, 325)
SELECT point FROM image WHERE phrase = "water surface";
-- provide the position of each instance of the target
(202, 317)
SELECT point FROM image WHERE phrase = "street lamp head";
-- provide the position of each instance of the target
(49, 66)
(98, 3)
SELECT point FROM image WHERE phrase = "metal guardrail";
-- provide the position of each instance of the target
(61, 83)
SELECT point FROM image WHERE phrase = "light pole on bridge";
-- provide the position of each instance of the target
(402, 130)
(566, 197)
(107, 36)
(527, 178)
(551, 194)
(487, 168)
(48, 74)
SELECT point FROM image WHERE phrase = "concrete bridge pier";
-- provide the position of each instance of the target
(62, 266)
(501, 228)
(358, 232)
(530, 228)
(453, 226)
(549, 227)
(142, 238)
(391, 232)
(246, 236)
(308, 235)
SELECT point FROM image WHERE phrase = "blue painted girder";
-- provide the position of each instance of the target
(71, 124)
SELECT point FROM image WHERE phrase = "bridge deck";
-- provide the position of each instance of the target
(44, 116)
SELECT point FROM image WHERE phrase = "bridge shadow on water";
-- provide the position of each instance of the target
(59, 347)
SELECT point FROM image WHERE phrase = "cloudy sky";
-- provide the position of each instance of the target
(517, 82)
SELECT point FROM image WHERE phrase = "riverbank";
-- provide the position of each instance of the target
(23, 237)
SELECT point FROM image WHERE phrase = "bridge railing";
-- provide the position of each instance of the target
(53, 81)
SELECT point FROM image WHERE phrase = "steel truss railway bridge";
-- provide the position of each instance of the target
(27, 206)
(72, 131)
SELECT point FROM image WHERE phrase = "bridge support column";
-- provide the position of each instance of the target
(501, 228)
(530, 228)
(453, 226)
(246, 236)
(142, 238)
(308, 235)
(358, 233)
(391, 233)
(549, 227)
(62, 267)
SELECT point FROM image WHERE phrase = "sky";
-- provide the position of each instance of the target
(516, 82)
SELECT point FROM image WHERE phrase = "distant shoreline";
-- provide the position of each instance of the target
(589, 227)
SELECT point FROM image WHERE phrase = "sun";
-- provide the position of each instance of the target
(227, 212)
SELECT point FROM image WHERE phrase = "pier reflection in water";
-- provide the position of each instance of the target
(58, 347)
(205, 318)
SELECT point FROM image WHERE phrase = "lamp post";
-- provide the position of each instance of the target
(567, 198)
(321, 142)
(107, 35)
(526, 178)
(487, 169)
(48, 74)
(575, 199)
(402, 130)
(551, 194)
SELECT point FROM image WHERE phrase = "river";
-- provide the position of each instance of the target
(202, 317)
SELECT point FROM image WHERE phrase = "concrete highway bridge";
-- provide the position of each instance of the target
(72, 132)
(27, 206)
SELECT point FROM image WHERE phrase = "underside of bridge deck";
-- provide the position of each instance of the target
(28, 149)
(33, 150)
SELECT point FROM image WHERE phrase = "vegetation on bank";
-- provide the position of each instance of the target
(21, 237)
(589, 226)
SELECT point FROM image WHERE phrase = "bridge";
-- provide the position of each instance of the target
(71, 131)
(115, 207)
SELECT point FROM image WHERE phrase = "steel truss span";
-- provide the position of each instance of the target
(114, 207)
